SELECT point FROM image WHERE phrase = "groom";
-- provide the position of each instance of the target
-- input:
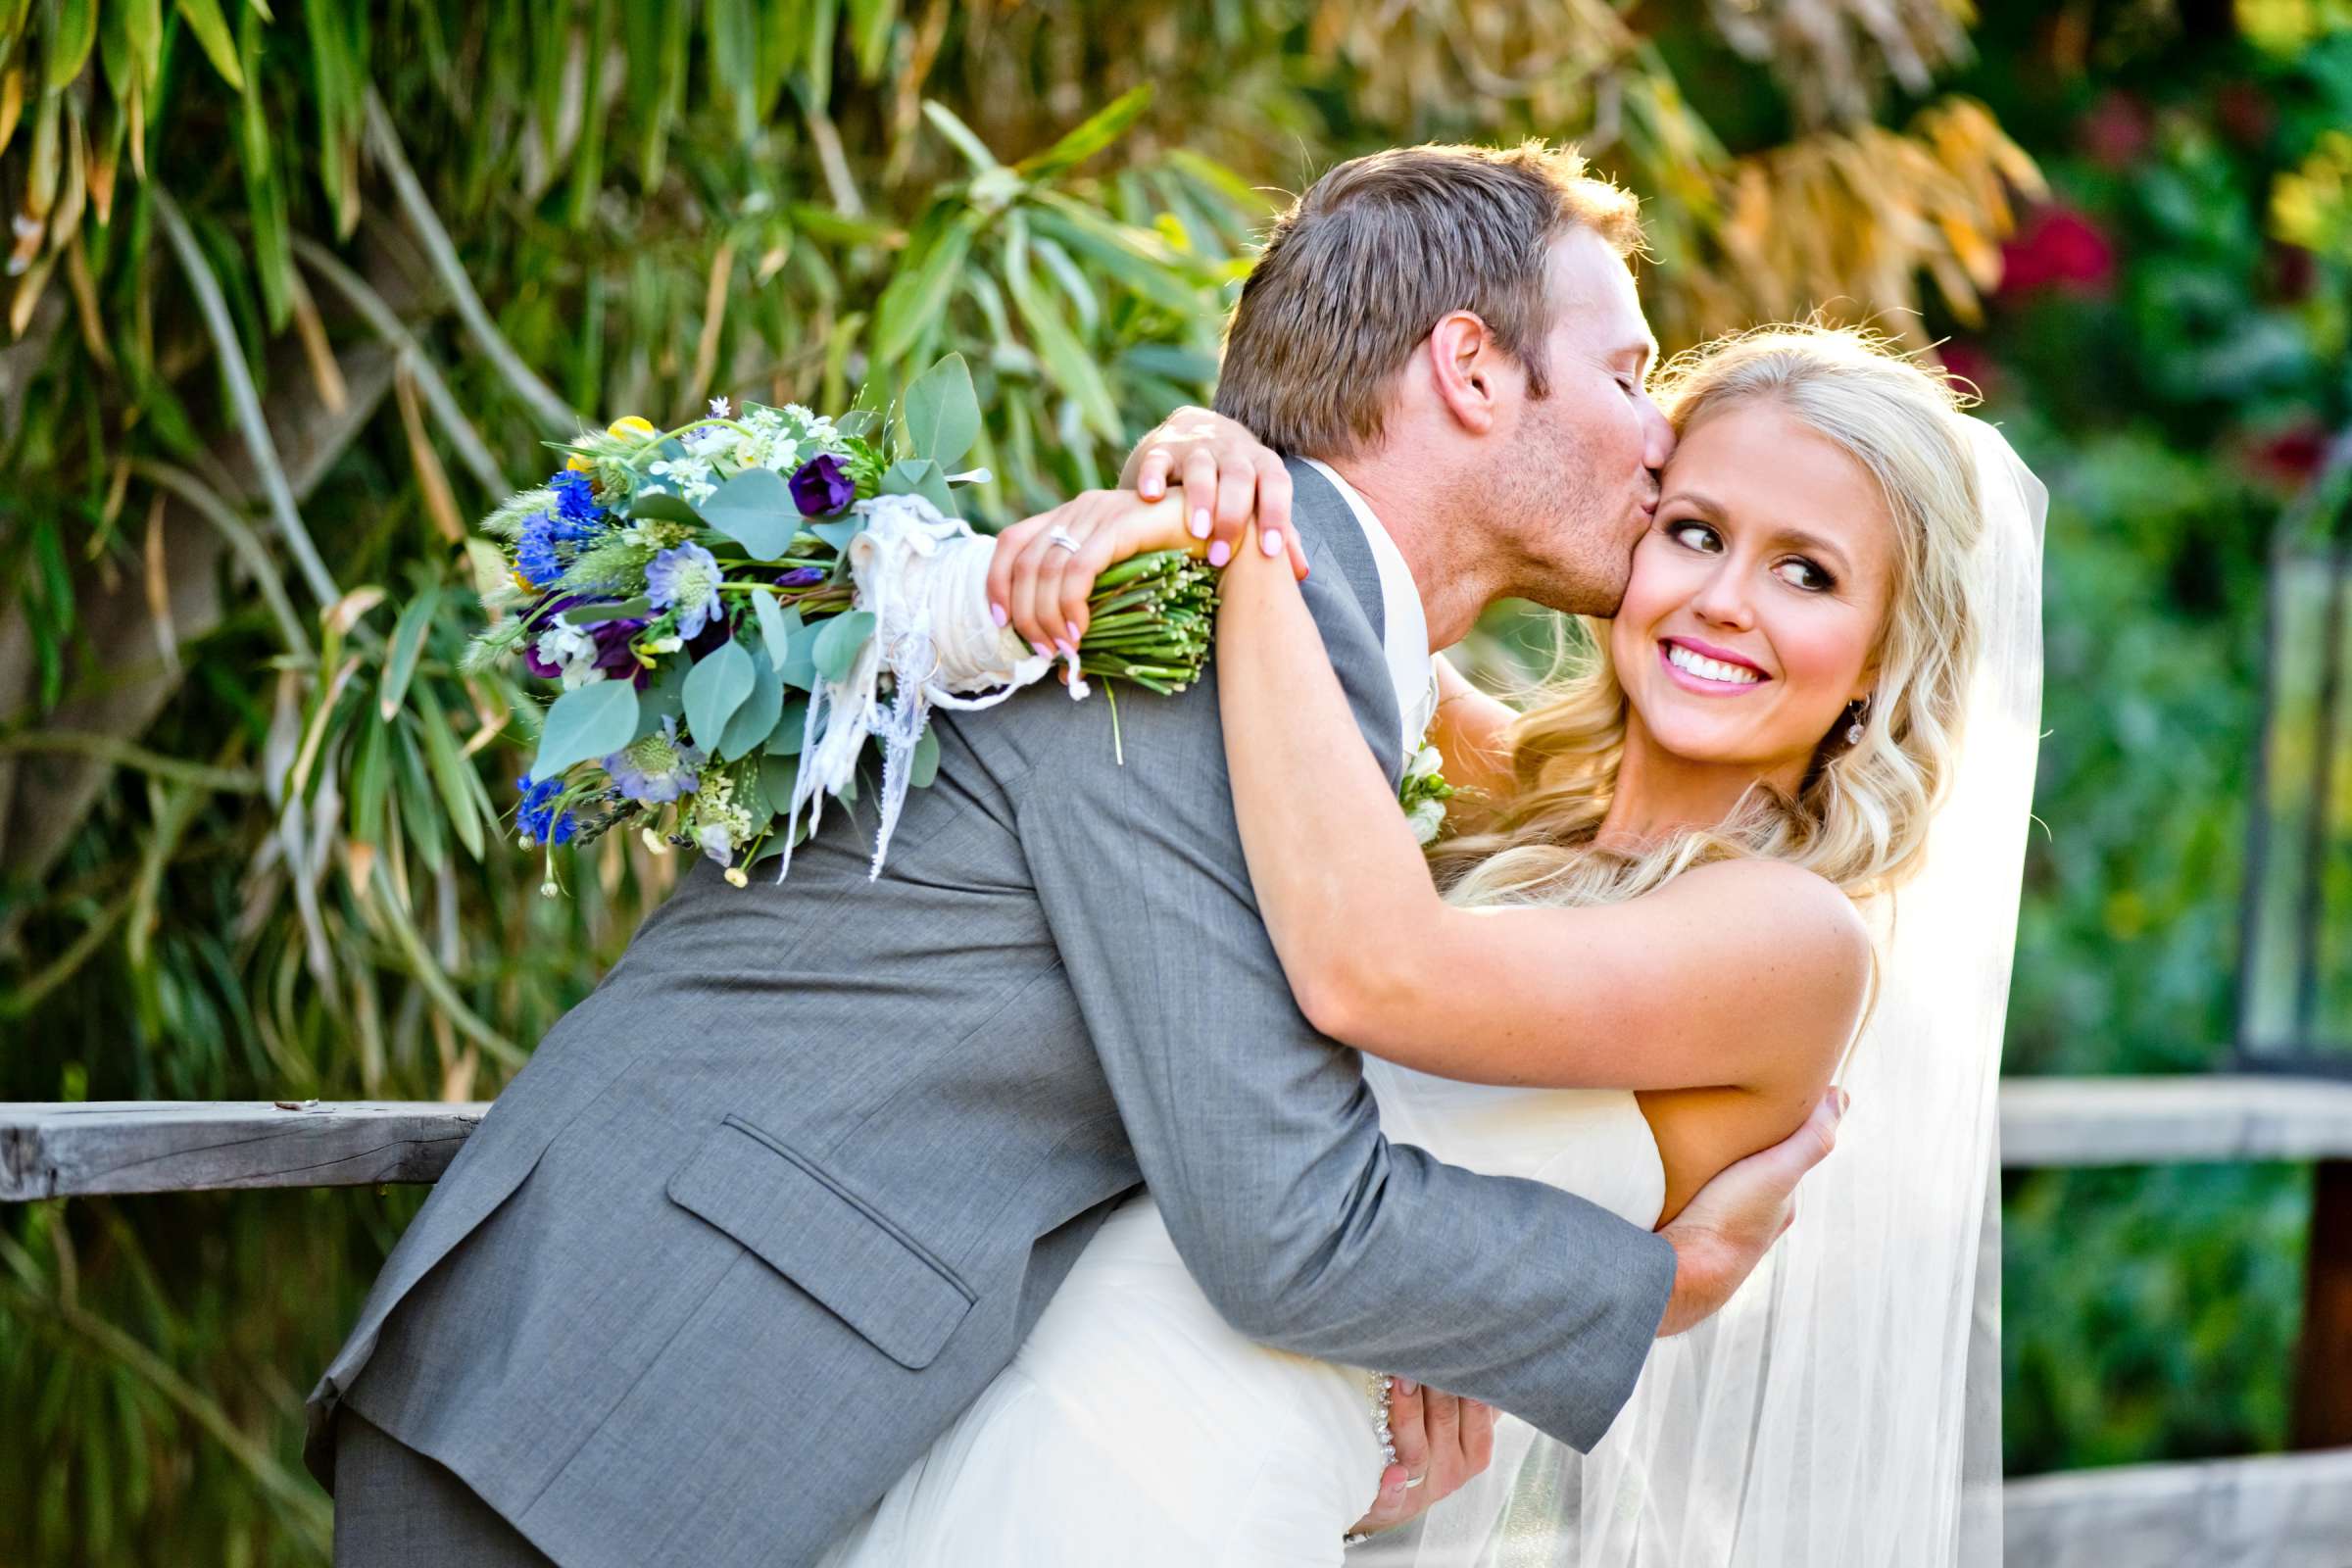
(766, 1211)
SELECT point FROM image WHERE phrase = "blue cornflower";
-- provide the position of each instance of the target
(535, 552)
(685, 577)
(537, 817)
(575, 504)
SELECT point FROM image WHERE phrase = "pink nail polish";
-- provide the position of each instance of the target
(1043, 652)
(996, 614)
(1201, 522)
(1407, 1386)
(1065, 650)
(1269, 540)
(1219, 553)
(1071, 627)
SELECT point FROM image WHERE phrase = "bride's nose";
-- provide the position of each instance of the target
(1723, 600)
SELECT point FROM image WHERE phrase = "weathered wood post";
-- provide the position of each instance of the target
(2295, 967)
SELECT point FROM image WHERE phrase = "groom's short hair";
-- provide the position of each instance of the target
(1357, 271)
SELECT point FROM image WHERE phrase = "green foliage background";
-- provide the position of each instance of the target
(296, 295)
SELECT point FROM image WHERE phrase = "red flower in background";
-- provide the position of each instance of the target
(1969, 363)
(2058, 248)
(2293, 457)
(2115, 130)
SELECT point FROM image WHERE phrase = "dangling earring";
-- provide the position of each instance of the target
(1861, 711)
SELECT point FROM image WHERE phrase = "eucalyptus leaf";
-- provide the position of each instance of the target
(942, 412)
(663, 697)
(920, 476)
(837, 532)
(714, 688)
(839, 640)
(587, 722)
(799, 668)
(790, 728)
(777, 624)
(751, 722)
(923, 766)
(664, 504)
(756, 510)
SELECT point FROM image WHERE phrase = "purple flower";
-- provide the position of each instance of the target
(614, 654)
(801, 577)
(820, 489)
(657, 769)
(685, 577)
(536, 816)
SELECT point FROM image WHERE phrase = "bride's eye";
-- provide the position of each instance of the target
(1799, 572)
(1694, 536)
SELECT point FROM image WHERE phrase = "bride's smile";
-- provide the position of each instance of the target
(1755, 603)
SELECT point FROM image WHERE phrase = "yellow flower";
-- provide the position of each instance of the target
(631, 424)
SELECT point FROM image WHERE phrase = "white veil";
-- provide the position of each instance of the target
(1819, 1417)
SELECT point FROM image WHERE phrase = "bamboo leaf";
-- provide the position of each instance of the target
(408, 634)
(73, 29)
(451, 775)
(1089, 137)
(920, 289)
(1066, 360)
(212, 34)
(960, 136)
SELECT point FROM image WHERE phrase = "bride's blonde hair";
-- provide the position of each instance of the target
(1860, 817)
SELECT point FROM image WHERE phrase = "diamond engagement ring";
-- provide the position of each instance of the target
(1060, 537)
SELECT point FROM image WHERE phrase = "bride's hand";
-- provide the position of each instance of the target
(1442, 1442)
(1037, 585)
(1724, 1232)
(1229, 477)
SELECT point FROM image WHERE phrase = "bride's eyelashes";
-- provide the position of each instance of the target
(1809, 577)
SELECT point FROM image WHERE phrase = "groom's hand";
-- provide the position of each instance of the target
(1228, 476)
(1724, 1232)
(1442, 1440)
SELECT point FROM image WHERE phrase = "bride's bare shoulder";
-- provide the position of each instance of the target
(1781, 919)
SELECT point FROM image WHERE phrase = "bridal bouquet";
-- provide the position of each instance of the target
(728, 611)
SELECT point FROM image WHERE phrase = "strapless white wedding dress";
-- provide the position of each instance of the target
(1134, 1427)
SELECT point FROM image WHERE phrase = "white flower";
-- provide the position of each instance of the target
(1426, 763)
(691, 474)
(720, 408)
(1427, 818)
(716, 842)
(576, 650)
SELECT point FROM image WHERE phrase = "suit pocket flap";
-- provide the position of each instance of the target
(825, 1240)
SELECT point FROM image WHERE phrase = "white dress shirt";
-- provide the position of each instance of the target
(1405, 624)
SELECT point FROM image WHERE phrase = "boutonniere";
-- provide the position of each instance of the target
(1423, 794)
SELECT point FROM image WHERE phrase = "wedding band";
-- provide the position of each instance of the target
(1060, 537)
(1416, 1481)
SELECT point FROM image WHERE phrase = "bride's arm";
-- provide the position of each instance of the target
(1472, 732)
(1746, 974)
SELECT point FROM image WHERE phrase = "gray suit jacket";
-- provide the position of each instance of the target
(770, 1207)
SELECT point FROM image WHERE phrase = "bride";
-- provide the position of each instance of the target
(1674, 880)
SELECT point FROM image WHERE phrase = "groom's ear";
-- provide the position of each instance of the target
(1464, 362)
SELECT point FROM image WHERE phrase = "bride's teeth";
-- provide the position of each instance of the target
(1707, 669)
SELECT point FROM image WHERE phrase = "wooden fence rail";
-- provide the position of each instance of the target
(2269, 1511)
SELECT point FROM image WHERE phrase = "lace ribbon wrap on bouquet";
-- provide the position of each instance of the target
(923, 576)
